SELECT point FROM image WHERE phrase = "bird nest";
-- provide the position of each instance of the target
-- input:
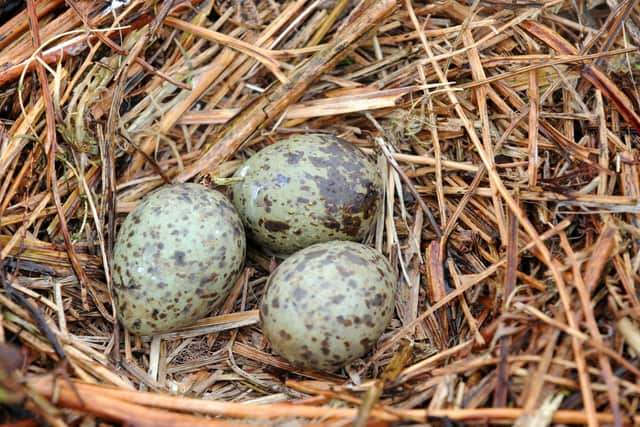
(506, 133)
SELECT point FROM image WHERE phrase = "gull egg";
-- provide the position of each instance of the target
(176, 257)
(328, 304)
(307, 189)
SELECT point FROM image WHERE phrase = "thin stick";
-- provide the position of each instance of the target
(112, 402)
(51, 147)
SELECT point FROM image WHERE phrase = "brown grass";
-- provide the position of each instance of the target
(507, 137)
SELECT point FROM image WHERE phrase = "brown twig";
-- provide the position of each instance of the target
(51, 147)
(111, 403)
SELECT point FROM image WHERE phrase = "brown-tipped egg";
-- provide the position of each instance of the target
(328, 304)
(176, 257)
(307, 189)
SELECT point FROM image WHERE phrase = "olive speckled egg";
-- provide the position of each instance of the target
(307, 189)
(176, 258)
(328, 304)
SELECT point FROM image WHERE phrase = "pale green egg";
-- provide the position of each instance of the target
(176, 257)
(328, 304)
(307, 189)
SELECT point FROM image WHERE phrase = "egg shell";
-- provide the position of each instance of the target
(307, 189)
(176, 257)
(328, 304)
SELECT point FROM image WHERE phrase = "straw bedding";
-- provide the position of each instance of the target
(506, 133)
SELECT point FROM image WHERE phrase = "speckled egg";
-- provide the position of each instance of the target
(307, 189)
(176, 258)
(328, 304)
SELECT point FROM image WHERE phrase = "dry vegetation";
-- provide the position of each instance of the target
(507, 134)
